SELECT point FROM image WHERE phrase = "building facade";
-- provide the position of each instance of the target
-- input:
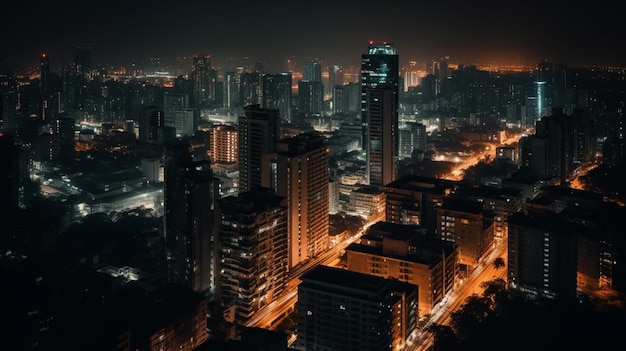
(302, 176)
(403, 252)
(253, 250)
(190, 219)
(342, 310)
(258, 133)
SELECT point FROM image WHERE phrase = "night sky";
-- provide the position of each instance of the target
(335, 31)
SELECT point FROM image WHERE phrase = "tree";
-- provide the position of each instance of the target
(494, 290)
(498, 263)
(475, 310)
(444, 337)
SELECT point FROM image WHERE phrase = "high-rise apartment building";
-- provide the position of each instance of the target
(224, 147)
(253, 248)
(204, 78)
(302, 176)
(189, 223)
(258, 133)
(379, 111)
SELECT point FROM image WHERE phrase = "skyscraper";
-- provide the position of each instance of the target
(258, 132)
(204, 78)
(302, 176)
(310, 97)
(382, 145)
(276, 94)
(249, 88)
(312, 71)
(379, 92)
(189, 197)
(231, 90)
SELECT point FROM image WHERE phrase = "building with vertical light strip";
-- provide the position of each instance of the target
(379, 111)
(302, 175)
(381, 143)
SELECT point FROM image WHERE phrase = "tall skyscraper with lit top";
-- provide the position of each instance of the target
(379, 111)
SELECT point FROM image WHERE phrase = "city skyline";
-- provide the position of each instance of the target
(467, 33)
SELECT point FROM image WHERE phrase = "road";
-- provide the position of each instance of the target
(270, 316)
(442, 313)
(489, 154)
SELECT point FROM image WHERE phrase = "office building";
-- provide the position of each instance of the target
(310, 97)
(275, 93)
(258, 133)
(178, 115)
(381, 145)
(302, 176)
(253, 248)
(150, 120)
(342, 310)
(312, 71)
(379, 111)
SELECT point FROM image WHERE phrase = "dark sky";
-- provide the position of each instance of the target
(334, 31)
